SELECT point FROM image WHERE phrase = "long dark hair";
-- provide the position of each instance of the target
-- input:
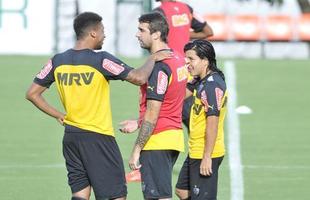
(204, 49)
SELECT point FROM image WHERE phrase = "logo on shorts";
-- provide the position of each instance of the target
(196, 190)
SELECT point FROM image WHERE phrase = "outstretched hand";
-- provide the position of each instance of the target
(162, 55)
(128, 126)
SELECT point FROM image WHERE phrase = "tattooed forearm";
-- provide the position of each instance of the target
(144, 133)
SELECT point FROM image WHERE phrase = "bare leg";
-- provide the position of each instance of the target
(182, 194)
(120, 198)
(83, 194)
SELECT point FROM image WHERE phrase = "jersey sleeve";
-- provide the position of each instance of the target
(112, 68)
(197, 23)
(212, 97)
(158, 82)
(45, 77)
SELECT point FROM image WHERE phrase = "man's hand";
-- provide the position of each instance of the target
(134, 159)
(162, 55)
(61, 119)
(128, 126)
(206, 166)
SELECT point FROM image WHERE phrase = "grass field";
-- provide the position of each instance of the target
(274, 138)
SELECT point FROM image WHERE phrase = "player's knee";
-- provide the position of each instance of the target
(182, 194)
(77, 198)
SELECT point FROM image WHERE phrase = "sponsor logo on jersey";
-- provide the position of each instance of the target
(204, 100)
(210, 79)
(45, 70)
(180, 20)
(197, 108)
(162, 82)
(182, 73)
(150, 88)
(75, 78)
(112, 67)
(219, 95)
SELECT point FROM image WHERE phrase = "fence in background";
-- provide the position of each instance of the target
(271, 28)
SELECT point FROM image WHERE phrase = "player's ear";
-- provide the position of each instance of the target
(93, 34)
(156, 35)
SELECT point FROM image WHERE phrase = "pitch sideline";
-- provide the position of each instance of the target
(233, 134)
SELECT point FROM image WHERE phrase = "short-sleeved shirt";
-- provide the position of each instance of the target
(167, 83)
(82, 80)
(196, 23)
(210, 98)
(181, 18)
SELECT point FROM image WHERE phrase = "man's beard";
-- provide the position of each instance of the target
(98, 47)
(144, 47)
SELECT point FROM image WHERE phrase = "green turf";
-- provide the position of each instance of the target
(274, 138)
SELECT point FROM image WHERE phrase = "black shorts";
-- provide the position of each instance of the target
(156, 173)
(200, 187)
(94, 159)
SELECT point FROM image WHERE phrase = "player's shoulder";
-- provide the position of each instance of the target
(62, 57)
(105, 53)
(215, 80)
(189, 7)
(161, 65)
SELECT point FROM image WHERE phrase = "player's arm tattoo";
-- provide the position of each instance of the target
(149, 122)
(145, 133)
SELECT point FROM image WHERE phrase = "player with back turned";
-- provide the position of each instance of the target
(82, 76)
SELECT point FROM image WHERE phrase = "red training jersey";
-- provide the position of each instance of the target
(179, 18)
(167, 83)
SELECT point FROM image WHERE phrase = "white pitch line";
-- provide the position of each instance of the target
(233, 133)
(277, 167)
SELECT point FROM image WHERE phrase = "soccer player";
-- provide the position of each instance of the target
(199, 174)
(160, 136)
(82, 78)
(184, 24)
